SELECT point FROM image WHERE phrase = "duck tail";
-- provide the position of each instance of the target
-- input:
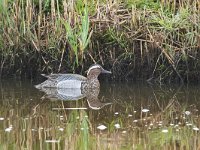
(46, 84)
(44, 75)
(38, 86)
(41, 85)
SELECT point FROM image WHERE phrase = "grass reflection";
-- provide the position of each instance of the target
(171, 122)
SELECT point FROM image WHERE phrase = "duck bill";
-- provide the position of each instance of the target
(106, 71)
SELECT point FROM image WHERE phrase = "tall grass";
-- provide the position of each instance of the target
(162, 36)
(79, 35)
(152, 39)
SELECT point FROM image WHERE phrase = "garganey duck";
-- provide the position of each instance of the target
(74, 81)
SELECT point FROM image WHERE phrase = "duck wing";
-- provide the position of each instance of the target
(63, 77)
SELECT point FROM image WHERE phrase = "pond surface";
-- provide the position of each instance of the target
(118, 116)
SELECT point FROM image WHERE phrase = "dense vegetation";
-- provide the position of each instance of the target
(137, 39)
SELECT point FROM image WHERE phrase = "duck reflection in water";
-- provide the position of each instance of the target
(75, 94)
(74, 86)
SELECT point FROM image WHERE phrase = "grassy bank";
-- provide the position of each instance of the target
(156, 40)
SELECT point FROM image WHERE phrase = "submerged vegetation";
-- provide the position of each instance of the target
(140, 117)
(155, 40)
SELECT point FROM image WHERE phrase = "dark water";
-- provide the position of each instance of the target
(119, 116)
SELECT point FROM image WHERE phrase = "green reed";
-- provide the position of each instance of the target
(160, 37)
(84, 140)
(79, 35)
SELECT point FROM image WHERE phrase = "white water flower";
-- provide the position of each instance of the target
(124, 131)
(151, 124)
(61, 129)
(187, 112)
(52, 141)
(196, 129)
(164, 130)
(117, 125)
(8, 129)
(101, 127)
(145, 110)
(1, 118)
(160, 123)
(188, 124)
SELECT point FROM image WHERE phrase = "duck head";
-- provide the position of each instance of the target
(95, 70)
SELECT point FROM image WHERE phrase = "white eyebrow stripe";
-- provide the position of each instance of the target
(93, 67)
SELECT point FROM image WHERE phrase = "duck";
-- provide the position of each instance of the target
(74, 81)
